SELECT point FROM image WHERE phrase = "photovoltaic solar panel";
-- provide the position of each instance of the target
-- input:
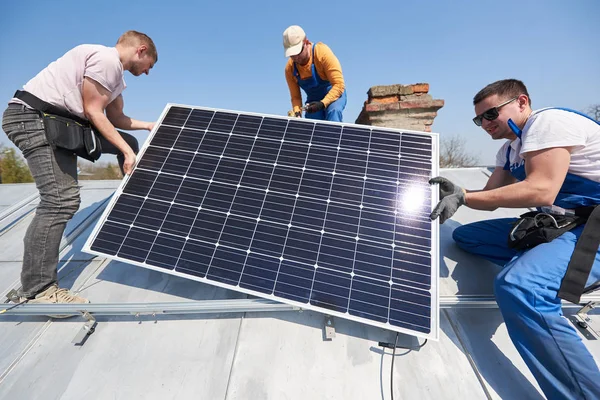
(331, 217)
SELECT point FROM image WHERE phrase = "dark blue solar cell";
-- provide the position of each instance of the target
(238, 232)
(165, 187)
(370, 299)
(239, 147)
(410, 309)
(140, 183)
(213, 143)
(269, 239)
(203, 166)
(337, 253)
(265, 150)
(259, 273)
(257, 175)
(377, 226)
(373, 260)
(315, 185)
(342, 220)
(351, 163)
(278, 208)
(137, 244)
(178, 162)
(285, 180)
(309, 213)
(294, 281)
(382, 167)
(219, 197)
(222, 122)
(229, 171)
(247, 125)
(176, 116)
(207, 226)
(292, 154)
(355, 138)
(331, 290)
(125, 209)
(226, 265)
(321, 159)
(189, 140)
(199, 119)
(153, 158)
(195, 258)
(302, 245)
(110, 238)
(191, 192)
(385, 142)
(179, 220)
(299, 131)
(152, 214)
(248, 202)
(165, 136)
(272, 128)
(327, 135)
(346, 190)
(165, 251)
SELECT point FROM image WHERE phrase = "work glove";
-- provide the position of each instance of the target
(451, 197)
(314, 106)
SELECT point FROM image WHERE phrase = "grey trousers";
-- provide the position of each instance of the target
(55, 175)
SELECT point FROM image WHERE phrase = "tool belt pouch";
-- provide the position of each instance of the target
(70, 135)
(536, 227)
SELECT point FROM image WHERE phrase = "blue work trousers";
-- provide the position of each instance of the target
(526, 291)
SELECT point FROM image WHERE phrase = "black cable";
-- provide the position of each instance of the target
(14, 306)
(395, 346)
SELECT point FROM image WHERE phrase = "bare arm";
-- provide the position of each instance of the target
(546, 172)
(114, 113)
(95, 101)
(500, 177)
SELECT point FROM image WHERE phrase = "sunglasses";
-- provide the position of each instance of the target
(492, 113)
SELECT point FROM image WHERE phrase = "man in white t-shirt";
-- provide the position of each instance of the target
(84, 84)
(551, 159)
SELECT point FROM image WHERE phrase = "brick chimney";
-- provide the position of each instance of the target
(400, 106)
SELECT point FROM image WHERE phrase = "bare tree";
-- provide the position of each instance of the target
(453, 154)
(594, 111)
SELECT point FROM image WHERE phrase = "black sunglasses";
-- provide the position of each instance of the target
(492, 113)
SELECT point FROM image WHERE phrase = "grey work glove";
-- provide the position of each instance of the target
(451, 197)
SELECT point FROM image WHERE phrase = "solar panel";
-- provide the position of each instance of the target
(331, 217)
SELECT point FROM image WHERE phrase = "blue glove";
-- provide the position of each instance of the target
(451, 197)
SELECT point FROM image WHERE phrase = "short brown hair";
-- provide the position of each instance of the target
(505, 89)
(135, 38)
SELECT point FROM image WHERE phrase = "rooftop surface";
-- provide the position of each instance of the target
(244, 355)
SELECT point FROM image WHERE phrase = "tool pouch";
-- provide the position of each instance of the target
(535, 227)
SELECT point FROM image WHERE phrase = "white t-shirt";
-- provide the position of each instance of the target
(558, 128)
(60, 82)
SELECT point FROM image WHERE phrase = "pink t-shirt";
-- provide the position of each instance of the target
(60, 82)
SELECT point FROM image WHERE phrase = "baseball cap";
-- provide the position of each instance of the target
(293, 38)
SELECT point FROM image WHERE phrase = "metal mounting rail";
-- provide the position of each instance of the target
(137, 309)
(218, 306)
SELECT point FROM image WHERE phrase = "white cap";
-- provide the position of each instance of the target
(293, 38)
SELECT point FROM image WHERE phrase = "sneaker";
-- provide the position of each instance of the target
(54, 295)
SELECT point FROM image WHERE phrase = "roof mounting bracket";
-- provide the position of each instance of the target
(329, 328)
(588, 326)
(86, 330)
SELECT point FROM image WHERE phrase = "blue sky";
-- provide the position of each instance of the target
(229, 54)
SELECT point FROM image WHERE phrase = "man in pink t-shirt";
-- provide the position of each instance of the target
(86, 84)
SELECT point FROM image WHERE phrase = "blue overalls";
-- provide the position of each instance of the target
(316, 89)
(527, 287)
